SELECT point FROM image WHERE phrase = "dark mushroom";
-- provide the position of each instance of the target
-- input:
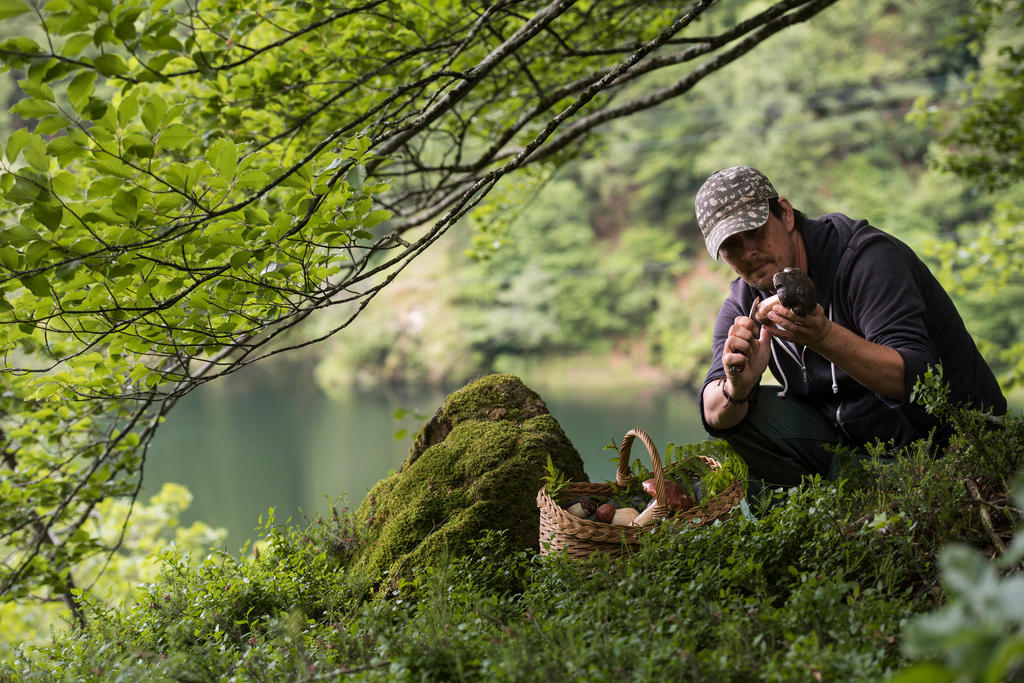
(794, 290)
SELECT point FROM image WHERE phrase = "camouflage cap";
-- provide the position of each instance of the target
(730, 201)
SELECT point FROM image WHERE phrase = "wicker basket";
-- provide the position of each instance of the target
(560, 530)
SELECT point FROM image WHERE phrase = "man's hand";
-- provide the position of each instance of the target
(806, 330)
(745, 355)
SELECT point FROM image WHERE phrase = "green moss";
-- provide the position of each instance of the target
(476, 465)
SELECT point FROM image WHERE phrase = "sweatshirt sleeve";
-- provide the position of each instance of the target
(888, 307)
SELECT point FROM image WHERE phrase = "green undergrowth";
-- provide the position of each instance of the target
(821, 582)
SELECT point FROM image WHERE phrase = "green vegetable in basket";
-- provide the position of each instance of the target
(685, 459)
(732, 468)
(683, 465)
(554, 480)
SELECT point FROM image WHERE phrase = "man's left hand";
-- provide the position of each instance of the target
(807, 330)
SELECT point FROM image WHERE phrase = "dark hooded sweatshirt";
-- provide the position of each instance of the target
(875, 286)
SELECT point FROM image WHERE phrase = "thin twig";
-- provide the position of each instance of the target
(986, 521)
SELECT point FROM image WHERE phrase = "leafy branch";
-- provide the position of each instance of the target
(197, 181)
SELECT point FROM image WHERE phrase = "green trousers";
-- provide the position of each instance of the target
(784, 439)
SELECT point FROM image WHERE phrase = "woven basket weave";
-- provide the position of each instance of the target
(560, 530)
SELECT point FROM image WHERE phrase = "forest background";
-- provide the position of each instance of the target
(597, 262)
(597, 273)
(595, 269)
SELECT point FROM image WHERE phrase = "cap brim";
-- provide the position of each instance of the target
(743, 220)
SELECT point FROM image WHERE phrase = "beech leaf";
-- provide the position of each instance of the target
(12, 8)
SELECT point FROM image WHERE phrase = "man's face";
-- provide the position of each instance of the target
(756, 255)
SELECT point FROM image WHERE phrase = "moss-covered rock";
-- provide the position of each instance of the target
(476, 465)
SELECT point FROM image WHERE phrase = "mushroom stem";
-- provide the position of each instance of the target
(765, 307)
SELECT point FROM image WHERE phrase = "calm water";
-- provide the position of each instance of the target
(269, 437)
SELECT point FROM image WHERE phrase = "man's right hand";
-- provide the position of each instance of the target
(745, 355)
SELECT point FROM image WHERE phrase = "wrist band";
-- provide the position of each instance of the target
(735, 401)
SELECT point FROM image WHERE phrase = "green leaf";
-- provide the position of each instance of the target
(104, 186)
(105, 215)
(75, 44)
(45, 391)
(965, 571)
(15, 143)
(1005, 659)
(112, 166)
(125, 204)
(176, 175)
(103, 34)
(175, 136)
(376, 217)
(37, 284)
(35, 153)
(85, 245)
(293, 180)
(223, 156)
(10, 258)
(66, 271)
(125, 29)
(139, 145)
(65, 149)
(127, 110)
(18, 235)
(157, 64)
(110, 65)
(225, 231)
(22, 191)
(363, 206)
(63, 183)
(32, 108)
(21, 44)
(153, 113)
(95, 109)
(356, 177)
(255, 215)
(253, 179)
(38, 90)
(80, 88)
(48, 213)
(35, 253)
(12, 8)
(50, 125)
(239, 259)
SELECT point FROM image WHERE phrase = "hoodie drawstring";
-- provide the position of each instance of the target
(835, 383)
(785, 381)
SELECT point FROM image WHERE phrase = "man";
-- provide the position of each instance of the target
(848, 367)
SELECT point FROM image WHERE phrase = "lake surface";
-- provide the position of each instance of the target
(269, 437)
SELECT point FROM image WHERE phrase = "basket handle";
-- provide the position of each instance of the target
(623, 474)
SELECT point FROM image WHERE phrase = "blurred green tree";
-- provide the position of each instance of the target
(981, 141)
